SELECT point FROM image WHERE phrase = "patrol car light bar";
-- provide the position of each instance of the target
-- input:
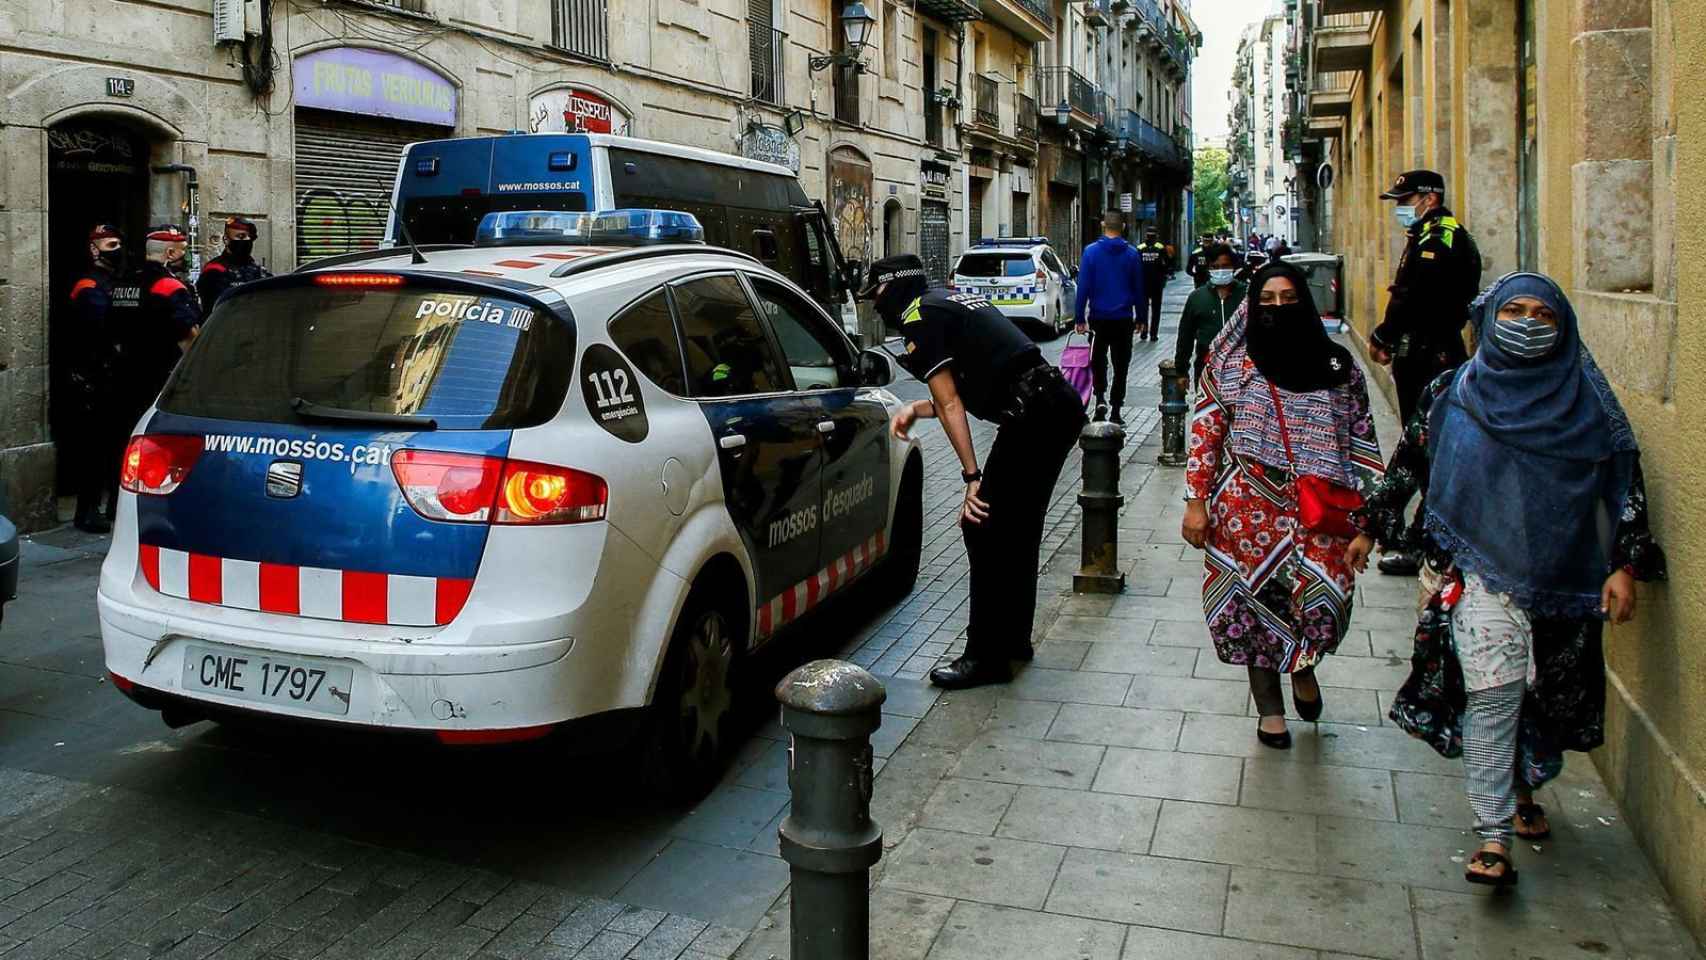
(627, 228)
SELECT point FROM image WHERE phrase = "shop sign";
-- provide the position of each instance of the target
(933, 178)
(121, 87)
(1126, 202)
(770, 144)
(572, 110)
(374, 83)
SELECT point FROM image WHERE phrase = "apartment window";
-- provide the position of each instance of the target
(891, 41)
(581, 26)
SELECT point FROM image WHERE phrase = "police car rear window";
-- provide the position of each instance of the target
(995, 265)
(467, 360)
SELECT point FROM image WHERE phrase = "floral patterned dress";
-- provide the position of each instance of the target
(1274, 596)
(1564, 707)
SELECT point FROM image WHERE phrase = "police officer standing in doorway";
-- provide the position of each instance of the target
(1155, 269)
(235, 266)
(101, 299)
(1439, 274)
(166, 321)
(978, 364)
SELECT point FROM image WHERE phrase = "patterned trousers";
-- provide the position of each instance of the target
(1489, 758)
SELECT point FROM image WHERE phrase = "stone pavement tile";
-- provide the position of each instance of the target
(719, 941)
(729, 816)
(1169, 775)
(1188, 693)
(1006, 759)
(909, 698)
(609, 945)
(967, 806)
(457, 943)
(679, 881)
(1077, 818)
(638, 921)
(1344, 705)
(1061, 654)
(1209, 667)
(1117, 726)
(1438, 801)
(1040, 683)
(1140, 657)
(905, 784)
(1366, 673)
(956, 718)
(1169, 609)
(1350, 916)
(1149, 943)
(1181, 633)
(767, 768)
(502, 909)
(1153, 891)
(50, 944)
(253, 945)
(1397, 621)
(1281, 783)
(1461, 926)
(1236, 737)
(975, 931)
(905, 924)
(1012, 873)
(1365, 745)
(1087, 605)
(1240, 836)
(884, 741)
(1100, 629)
(1406, 853)
(1355, 644)
(1023, 718)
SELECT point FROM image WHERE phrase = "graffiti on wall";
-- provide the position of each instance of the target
(850, 202)
(330, 222)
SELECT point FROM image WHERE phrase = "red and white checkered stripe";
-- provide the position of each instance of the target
(351, 595)
(793, 602)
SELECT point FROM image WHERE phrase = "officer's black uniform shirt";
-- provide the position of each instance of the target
(974, 341)
(1154, 264)
(168, 315)
(224, 272)
(1438, 276)
(100, 302)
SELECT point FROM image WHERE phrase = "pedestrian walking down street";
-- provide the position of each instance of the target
(1111, 293)
(1438, 274)
(1283, 413)
(1207, 309)
(1535, 519)
(100, 297)
(1156, 266)
(977, 363)
(167, 319)
(233, 267)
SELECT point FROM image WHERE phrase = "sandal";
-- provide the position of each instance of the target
(1490, 859)
(1526, 814)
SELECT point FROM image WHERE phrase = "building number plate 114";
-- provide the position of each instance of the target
(120, 86)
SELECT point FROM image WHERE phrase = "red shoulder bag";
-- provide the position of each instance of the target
(1322, 505)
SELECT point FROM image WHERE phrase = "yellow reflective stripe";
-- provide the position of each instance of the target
(911, 313)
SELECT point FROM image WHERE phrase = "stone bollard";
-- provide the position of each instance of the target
(1174, 387)
(830, 707)
(1099, 569)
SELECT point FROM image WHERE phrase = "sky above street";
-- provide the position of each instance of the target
(1221, 23)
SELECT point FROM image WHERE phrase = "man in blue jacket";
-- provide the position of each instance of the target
(1110, 299)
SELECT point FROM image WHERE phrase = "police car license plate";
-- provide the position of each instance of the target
(319, 685)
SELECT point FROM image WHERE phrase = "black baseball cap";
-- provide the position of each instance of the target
(899, 266)
(1414, 182)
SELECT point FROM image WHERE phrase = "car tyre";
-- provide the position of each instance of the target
(691, 720)
(906, 541)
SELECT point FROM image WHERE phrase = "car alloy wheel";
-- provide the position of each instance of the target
(706, 698)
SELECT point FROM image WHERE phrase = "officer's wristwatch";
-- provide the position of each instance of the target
(972, 477)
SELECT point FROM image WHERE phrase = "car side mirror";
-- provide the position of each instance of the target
(876, 368)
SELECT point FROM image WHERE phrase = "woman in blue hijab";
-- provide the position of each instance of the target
(1535, 520)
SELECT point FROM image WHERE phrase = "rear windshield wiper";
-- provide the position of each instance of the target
(309, 410)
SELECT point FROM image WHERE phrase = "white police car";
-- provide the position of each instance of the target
(1021, 277)
(492, 490)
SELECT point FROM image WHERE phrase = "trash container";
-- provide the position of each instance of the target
(1324, 271)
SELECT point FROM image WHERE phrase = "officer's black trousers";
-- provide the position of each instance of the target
(1004, 550)
(1110, 337)
(1154, 329)
(1412, 373)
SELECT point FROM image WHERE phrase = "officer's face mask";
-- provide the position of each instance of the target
(1406, 214)
(113, 259)
(1222, 277)
(240, 246)
(1523, 334)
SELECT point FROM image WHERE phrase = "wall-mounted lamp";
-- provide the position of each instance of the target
(856, 25)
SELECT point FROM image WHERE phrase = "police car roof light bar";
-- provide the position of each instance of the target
(628, 227)
(1010, 242)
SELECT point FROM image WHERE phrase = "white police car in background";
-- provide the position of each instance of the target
(1021, 277)
(496, 489)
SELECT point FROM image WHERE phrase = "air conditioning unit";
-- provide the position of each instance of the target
(234, 20)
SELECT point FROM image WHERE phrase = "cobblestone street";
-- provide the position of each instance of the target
(1110, 804)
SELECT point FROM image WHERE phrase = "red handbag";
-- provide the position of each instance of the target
(1322, 505)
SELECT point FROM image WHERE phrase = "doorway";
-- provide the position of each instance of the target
(97, 171)
(893, 227)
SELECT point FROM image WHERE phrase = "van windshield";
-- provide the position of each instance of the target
(995, 265)
(457, 219)
(465, 360)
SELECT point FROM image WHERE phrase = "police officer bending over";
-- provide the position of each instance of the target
(976, 362)
(232, 268)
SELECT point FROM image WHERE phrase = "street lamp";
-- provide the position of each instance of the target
(856, 25)
(1063, 113)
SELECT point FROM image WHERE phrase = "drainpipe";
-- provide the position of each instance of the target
(192, 209)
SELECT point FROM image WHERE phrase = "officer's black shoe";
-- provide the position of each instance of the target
(965, 672)
(1024, 653)
(1101, 411)
(92, 522)
(1399, 565)
(1119, 418)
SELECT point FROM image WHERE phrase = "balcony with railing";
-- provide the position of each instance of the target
(1098, 13)
(766, 48)
(986, 103)
(1330, 94)
(1155, 144)
(1066, 85)
(1030, 20)
(1026, 118)
(1343, 41)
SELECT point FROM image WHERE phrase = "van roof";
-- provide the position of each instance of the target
(636, 143)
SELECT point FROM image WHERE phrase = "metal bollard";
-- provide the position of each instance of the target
(1174, 386)
(828, 838)
(1099, 569)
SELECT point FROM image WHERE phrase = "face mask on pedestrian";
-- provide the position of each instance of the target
(1525, 338)
(1222, 277)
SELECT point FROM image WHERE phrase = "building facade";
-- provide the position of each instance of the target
(1261, 168)
(1571, 144)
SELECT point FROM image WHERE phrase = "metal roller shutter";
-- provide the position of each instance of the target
(1021, 215)
(974, 208)
(345, 167)
(933, 239)
(1060, 223)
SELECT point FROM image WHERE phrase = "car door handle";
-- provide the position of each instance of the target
(826, 426)
(732, 441)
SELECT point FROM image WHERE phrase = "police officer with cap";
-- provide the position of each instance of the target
(1156, 266)
(1439, 274)
(101, 298)
(978, 364)
(236, 265)
(166, 321)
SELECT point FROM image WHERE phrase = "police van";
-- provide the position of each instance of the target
(445, 187)
(567, 479)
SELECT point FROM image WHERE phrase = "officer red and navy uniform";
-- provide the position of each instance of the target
(1156, 266)
(978, 364)
(102, 298)
(167, 319)
(234, 266)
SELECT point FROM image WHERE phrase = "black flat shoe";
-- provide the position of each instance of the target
(964, 673)
(94, 523)
(1399, 565)
(1308, 710)
(1024, 654)
(1278, 741)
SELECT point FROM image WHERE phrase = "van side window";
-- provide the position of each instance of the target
(817, 355)
(764, 247)
(727, 352)
(646, 333)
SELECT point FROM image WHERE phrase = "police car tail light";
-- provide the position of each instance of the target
(157, 464)
(541, 493)
(448, 486)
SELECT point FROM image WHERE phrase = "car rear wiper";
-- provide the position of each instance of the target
(309, 410)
